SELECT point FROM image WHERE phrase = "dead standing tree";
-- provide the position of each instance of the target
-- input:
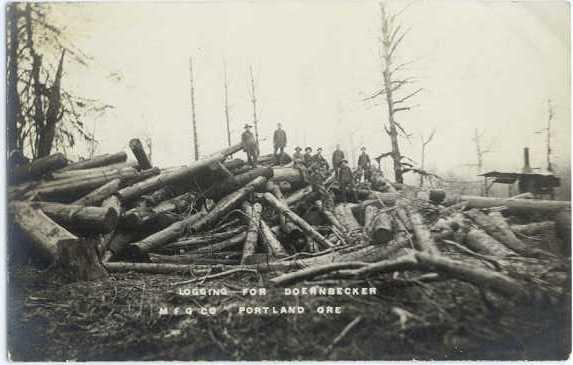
(547, 131)
(254, 101)
(193, 115)
(425, 142)
(228, 123)
(392, 35)
(480, 152)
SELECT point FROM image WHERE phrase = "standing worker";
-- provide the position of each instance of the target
(346, 182)
(250, 145)
(320, 160)
(279, 143)
(364, 163)
(337, 157)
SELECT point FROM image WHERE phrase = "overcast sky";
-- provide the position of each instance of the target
(490, 65)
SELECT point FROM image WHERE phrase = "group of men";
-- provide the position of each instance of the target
(343, 172)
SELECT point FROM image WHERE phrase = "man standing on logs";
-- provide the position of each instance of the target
(320, 160)
(250, 145)
(279, 143)
(346, 182)
(364, 164)
(337, 157)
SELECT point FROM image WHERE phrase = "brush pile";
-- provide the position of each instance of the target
(218, 216)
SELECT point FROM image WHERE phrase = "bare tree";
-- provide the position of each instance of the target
(392, 35)
(41, 113)
(547, 131)
(425, 142)
(254, 102)
(193, 115)
(481, 151)
(227, 104)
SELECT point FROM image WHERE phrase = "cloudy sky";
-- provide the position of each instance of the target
(490, 65)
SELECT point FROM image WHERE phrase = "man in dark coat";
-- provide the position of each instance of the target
(337, 156)
(307, 156)
(279, 143)
(346, 182)
(250, 144)
(364, 163)
(320, 160)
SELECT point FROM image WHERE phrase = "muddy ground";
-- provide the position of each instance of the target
(409, 318)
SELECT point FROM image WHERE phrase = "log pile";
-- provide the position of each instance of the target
(107, 215)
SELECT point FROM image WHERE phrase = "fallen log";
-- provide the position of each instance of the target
(290, 174)
(276, 191)
(331, 218)
(100, 194)
(482, 243)
(307, 228)
(424, 241)
(499, 230)
(229, 185)
(269, 159)
(343, 213)
(177, 204)
(97, 161)
(46, 235)
(140, 176)
(253, 217)
(86, 173)
(532, 228)
(77, 217)
(378, 225)
(114, 203)
(151, 268)
(197, 241)
(164, 236)
(69, 189)
(514, 205)
(233, 242)
(38, 167)
(139, 153)
(174, 176)
(311, 272)
(274, 246)
(299, 195)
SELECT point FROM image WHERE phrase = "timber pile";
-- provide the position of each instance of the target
(107, 215)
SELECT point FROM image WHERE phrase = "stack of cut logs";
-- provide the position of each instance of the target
(108, 215)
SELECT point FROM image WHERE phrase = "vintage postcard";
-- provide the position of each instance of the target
(288, 180)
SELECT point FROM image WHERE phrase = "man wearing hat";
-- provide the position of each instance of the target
(307, 158)
(279, 143)
(364, 163)
(250, 145)
(337, 156)
(346, 182)
(320, 160)
(297, 156)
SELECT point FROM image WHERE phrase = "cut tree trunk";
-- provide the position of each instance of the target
(424, 241)
(481, 242)
(46, 235)
(97, 161)
(274, 246)
(290, 174)
(68, 189)
(197, 241)
(139, 153)
(300, 195)
(276, 191)
(498, 230)
(307, 228)
(80, 218)
(253, 217)
(164, 236)
(514, 205)
(331, 218)
(37, 168)
(100, 194)
(233, 242)
(343, 213)
(378, 225)
(229, 185)
(114, 203)
(85, 173)
(532, 228)
(175, 176)
(79, 261)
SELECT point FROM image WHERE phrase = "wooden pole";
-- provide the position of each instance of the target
(193, 112)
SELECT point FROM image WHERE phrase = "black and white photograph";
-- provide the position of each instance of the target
(287, 180)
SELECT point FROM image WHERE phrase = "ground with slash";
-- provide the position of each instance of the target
(456, 277)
